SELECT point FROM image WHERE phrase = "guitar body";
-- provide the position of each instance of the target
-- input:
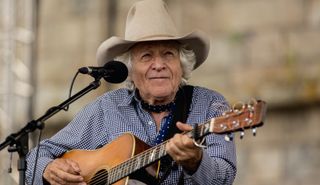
(112, 154)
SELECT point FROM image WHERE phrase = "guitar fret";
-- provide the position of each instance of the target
(138, 162)
(118, 172)
(164, 150)
(144, 157)
(151, 156)
(158, 154)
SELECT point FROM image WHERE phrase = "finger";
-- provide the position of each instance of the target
(56, 180)
(61, 171)
(182, 142)
(75, 166)
(183, 127)
(63, 177)
(183, 145)
(59, 181)
(67, 165)
(175, 146)
(186, 141)
(184, 153)
(68, 177)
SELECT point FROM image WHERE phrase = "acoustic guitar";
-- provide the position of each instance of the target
(117, 161)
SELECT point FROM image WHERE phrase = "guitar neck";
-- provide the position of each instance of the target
(137, 162)
(246, 117)
(148, 157)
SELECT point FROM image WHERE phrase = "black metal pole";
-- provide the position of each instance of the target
(19, 141)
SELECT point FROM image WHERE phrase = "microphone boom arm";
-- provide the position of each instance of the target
(19, 141)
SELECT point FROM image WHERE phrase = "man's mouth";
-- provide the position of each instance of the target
(153, 78)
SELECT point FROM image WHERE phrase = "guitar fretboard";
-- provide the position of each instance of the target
(148, 157)
(141, 160)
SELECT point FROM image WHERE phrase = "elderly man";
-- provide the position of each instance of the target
(154, 109)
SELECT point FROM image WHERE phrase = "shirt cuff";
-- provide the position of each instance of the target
(41, 165)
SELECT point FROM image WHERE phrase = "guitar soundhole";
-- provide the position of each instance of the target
(100, 178)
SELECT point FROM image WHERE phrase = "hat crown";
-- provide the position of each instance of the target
(149, 19)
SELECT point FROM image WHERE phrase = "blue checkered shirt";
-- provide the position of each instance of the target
(117, 112)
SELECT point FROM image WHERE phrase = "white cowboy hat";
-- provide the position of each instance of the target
(149, 20)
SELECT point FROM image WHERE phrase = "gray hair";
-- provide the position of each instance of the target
(187, 58)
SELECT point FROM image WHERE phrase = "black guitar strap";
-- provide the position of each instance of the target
(183, 102)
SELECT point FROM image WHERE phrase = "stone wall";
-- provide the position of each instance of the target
(266, 49)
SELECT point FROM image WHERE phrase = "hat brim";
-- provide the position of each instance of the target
(115, 46)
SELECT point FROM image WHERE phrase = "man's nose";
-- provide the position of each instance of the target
(158, 63)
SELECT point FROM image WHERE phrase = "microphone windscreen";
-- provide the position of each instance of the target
(117, 72)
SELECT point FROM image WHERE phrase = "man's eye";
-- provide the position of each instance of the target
(146, 56)
(169, 54)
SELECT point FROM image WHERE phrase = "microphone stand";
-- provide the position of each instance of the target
(18, 142)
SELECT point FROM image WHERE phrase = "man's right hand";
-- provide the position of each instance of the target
(63, 171)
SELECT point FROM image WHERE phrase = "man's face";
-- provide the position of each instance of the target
(156, 70)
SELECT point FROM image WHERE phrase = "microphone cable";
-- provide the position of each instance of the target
(40, 133)
(70, 89)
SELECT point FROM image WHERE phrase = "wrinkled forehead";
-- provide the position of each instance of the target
(147, 45)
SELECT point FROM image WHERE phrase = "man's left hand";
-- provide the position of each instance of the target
(183, 151)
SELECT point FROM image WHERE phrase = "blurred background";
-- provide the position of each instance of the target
(264, 49)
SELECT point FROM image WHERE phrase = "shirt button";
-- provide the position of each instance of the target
(150, 122)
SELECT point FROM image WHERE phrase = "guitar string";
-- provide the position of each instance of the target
(118, 169)
(126, 167)
(98, 179)
(131, 162)
(144, 158)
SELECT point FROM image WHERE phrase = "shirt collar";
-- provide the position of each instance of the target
(131, 98)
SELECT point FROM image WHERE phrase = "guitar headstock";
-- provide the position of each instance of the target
(240, 117)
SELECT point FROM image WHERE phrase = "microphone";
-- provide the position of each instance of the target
(113, 71)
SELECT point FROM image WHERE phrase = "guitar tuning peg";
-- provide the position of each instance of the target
(238, 107)
(241, 134)
(254, 131)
